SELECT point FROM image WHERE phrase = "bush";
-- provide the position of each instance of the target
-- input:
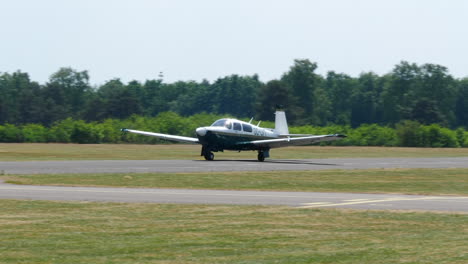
(436, 137)
(406, 134)
(461, 136)
(84, 133)
(34, 133)
(61, 131)
(10, 133)
(374, 135)
(110, 130)
(409, 134)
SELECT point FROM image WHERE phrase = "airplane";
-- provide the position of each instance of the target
(237, 135)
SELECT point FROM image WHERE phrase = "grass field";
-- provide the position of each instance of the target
(81, 232)
(24, 152)
(407, 181)
(71, 232)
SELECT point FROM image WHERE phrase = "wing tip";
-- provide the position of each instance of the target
(340, 135)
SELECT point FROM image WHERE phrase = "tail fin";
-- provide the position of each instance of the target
(281, 125)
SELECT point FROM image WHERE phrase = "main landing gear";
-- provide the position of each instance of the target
(262, 154)
(208, 155)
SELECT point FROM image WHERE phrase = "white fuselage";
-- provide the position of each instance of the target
(231, 133)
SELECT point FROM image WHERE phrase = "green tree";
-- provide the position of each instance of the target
(461, 106)
(323, 111)
(276, 93)
(119, 100)
(439, 87)
(365, 100)
(398, 93)
(425, 93)
(236, 95)
(67, 92)
(194, 99)
(340, 88)
(426, 111)
(303, 81)
(151, 104)
(20, 99)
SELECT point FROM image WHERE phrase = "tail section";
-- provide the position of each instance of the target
(281, 125)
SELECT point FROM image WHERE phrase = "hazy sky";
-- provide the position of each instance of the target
(207, 39)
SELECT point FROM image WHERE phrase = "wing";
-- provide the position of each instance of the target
(284, 142)
(163, 136)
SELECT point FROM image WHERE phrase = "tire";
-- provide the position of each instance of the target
(209, 156)
(261, 157)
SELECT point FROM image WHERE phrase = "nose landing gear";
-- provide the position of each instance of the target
(207, 153)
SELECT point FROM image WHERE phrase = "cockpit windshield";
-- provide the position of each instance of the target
(222, 123)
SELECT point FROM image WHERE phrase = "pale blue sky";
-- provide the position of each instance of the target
(207, 39)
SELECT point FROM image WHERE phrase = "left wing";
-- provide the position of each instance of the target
(284, 142)
(163, 136)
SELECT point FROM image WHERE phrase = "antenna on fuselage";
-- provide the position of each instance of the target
(259, 122)
(251, 119)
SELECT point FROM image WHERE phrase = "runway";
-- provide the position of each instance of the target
(127, 166)
(296, 199)
(309, 200)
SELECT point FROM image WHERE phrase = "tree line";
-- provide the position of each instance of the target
(426, 94)
(406, 134)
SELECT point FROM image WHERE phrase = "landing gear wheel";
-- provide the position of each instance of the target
(261, 156)
(209, 155)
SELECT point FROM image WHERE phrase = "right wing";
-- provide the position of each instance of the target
(163, 136)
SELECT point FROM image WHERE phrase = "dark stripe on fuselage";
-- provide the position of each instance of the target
(219, 141)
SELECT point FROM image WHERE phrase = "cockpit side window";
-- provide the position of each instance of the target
(237, 126)
(247, 128)
(228, 124)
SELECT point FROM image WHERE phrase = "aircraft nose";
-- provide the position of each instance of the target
(201, 131)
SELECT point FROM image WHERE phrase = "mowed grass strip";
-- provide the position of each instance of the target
(71, 232)
(403, 181)
(27, 152)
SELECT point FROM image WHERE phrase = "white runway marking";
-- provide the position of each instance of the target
(315, 204)
(356, 200)
(370, 201)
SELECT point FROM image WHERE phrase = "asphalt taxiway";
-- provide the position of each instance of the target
(296, 199)
(185, 196)
(127, 166)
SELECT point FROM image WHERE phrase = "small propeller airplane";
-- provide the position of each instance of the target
(237, 135)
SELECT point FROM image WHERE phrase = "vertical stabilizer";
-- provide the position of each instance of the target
(281, 125)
